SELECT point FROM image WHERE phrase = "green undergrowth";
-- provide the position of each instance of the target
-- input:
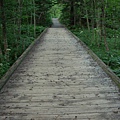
(15, 48)
(92, 40)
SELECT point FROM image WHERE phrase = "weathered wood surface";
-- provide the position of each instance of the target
(59, 80)
(6, 77)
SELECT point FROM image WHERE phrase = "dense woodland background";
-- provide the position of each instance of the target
(96, 22)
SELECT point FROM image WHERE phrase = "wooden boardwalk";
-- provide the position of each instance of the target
(59, 80)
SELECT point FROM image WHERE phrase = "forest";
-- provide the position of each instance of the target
(21, 21)
(95, 22)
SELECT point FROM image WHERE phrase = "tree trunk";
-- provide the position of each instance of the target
(0, 55)
(19, 19)
(4, 31)
(72, 13)
(86, 10)
(98, 27)
(34, 19)
(103, 32)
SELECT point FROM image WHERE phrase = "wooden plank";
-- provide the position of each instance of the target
(59, 80)
(99, 61)
(6, 77)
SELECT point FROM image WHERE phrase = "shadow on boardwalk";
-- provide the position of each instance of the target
(59, 80)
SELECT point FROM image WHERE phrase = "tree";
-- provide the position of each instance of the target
(4, 33)
(22, 21)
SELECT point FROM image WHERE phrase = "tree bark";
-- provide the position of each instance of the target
(103, 32)
(72, 13)
(34, 19)
(19, 19)
(0, 55)
(86, 10)
(4, 31)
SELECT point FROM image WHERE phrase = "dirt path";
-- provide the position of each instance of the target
(58, 80)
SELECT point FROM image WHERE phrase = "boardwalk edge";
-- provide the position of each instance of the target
(106, 68)
(11, 70)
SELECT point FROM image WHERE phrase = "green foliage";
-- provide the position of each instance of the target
(97, 24)
(110, 58)
(30, 28)
(4, 66)
(55, 11)
(15, 52)
(24, 20)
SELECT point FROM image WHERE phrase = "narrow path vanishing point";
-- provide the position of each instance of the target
(58, 80)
